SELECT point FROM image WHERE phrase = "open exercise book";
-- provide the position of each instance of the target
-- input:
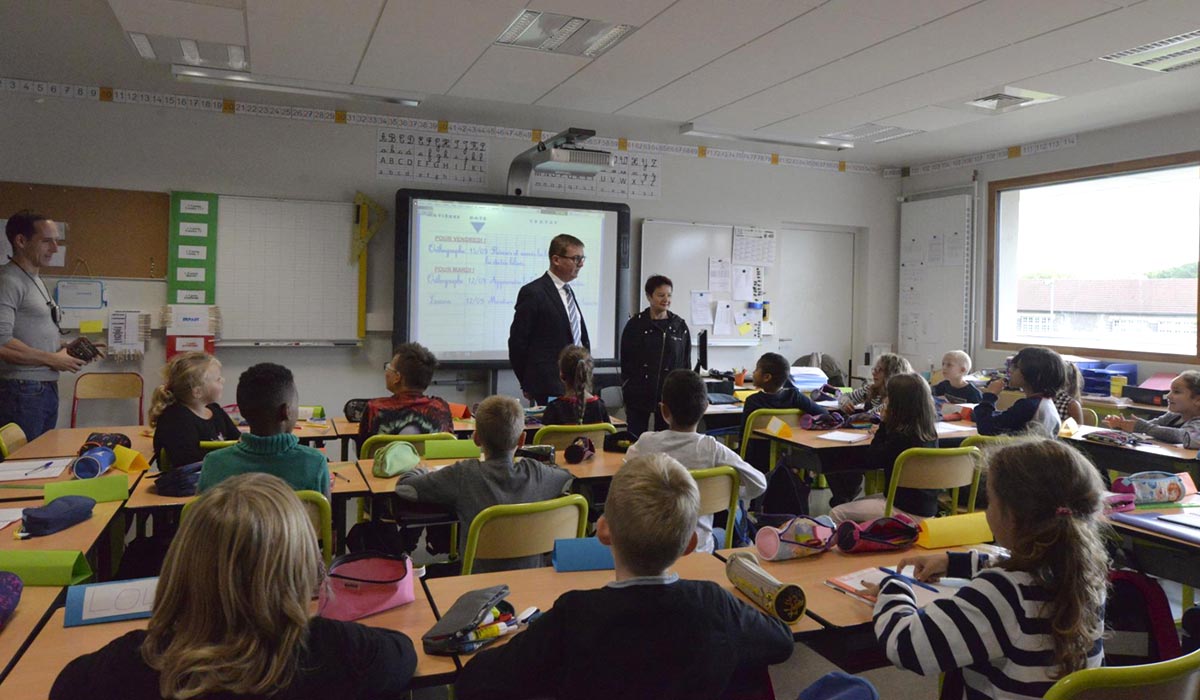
(926, 593)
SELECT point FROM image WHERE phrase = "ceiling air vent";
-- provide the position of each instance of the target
(1001, 100)
(876, 133)
(1165, 55)
(563, 34)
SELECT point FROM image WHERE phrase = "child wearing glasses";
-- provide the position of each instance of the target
(408, 411)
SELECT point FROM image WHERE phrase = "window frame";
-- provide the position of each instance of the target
(996, 187)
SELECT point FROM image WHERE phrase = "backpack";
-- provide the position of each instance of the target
(827, 364)
(1139, 620)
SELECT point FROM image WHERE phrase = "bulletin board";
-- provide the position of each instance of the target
(110, 233)
(935, 278)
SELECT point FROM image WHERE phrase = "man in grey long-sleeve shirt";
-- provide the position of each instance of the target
(472, 485)
(31, 354)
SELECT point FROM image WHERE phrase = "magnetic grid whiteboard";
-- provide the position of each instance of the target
(935, 278)
(284, 272)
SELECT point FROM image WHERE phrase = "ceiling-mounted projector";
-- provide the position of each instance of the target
(560, 153)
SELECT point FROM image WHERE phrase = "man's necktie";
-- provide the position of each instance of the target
(572, 314)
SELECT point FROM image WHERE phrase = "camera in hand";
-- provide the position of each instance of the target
(83, 349)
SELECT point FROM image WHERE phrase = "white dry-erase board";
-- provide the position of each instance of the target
(810, 285)
(284, 273)
(935, 278)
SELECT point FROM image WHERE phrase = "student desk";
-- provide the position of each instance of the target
(603, 466)
(347, 432)
(16, 491)
(55, 646)
(1160, 554)
(80, 537)
(35, 605)
(819, 455)
(65, 442)
(348, 482)
(1155, 456)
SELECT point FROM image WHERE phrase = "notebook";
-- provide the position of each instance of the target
(851, 585)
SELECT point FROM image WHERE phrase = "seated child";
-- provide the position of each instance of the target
(1180, 424)
(648, 633)
(1039, 372)
(684, 400)
(408, 411)
(185, 410)
(232, 615)
(909, 420)
(1023, 622)
(954, 387)
(772, 376)
(267, 399)
(577, 405)
(1068, 400)
(470, 486)
(870, 396)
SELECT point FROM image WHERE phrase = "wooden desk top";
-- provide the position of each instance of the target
(65, 442)
(824, 602)
(344, 427)
(56, 646)
(8, 493)
(812, 439)
(80, 537)
(145, 495)
(541, 587)
(603, 466)
(1174, 452)
(36, 602)
(314, 431)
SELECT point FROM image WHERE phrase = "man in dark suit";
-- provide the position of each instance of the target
(546, 319)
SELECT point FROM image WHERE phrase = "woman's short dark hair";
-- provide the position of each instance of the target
(657, 281)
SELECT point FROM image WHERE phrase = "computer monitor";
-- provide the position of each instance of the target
(702, 361)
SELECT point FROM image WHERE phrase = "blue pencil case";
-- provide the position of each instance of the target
(582, 554)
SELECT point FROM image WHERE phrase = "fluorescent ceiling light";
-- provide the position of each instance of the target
(518, 27)
(228, 78)
(237, 57)
(191, 52)
(690, 129)
(563, 34)
(1168, 55)
(142, 43)
(606, 41)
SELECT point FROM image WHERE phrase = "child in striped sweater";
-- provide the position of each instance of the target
(1025, 621)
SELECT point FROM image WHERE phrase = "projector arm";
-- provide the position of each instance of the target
(521, 169)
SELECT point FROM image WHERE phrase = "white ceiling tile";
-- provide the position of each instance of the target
(678, 41)
(823, 35)
(186, 20)
(932, 118)
(905, 13)
(970, 32)
(515, 75)
(635, 12)
(1086, 77)
(426, 45)
(280, 45)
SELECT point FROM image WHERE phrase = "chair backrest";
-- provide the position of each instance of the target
(985, 441)
(321, 516)
(373, 443)
(719, 488)
(164, 462)
(108, 385)
(1090, 417)
(11, 438)
(524, 529)
(760, 418)
(1177, 679)
(936, 468)
(451, 449)
(561, 436)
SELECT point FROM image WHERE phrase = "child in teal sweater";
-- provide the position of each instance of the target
(267, 399)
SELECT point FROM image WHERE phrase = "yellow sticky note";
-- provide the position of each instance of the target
(745, 328)
(91, 327)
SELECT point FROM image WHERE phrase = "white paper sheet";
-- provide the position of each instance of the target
(944, 428)
(719, 272)
(8, 516)
(844, 436)
(743, 283)
(702, 314)
(33, 468)
(753, 246)
(724, 321)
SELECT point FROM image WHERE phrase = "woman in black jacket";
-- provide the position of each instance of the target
(653, 343)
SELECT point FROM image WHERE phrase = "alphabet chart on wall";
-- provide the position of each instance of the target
(632, 176)
(444, 159)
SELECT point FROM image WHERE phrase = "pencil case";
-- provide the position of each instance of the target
(890, 534)
(59, 514)
(453, 634)
(1155, 487)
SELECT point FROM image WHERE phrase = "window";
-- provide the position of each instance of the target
(1098, 261)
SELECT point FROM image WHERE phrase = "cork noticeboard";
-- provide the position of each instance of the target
(110, 233)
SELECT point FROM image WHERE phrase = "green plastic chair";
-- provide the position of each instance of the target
(319, 513)
(985, 441)
(164, 463)
(561, 436)
(451, 449)
(1176, 679)
(719, 488)
(524, 529)
(759, 419)
(375, 442)
(11, 439)
(936, 468)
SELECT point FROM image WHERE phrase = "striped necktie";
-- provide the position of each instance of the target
(572, 314)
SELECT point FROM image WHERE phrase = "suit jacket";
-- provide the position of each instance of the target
(540, 330)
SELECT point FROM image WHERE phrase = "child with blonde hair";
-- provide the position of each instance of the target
(1025, 621)
(577, 405)
(1180, 424)
(954, 387)
(184, 409)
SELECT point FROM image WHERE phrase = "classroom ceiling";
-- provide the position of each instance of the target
(791, 69)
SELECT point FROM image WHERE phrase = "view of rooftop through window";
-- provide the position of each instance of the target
(1107, 263)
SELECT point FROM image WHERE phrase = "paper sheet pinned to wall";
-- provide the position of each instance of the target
(724, 321)
(702, 308)
(719, 272)
(743, 283)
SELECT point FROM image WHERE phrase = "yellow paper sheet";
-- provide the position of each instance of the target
(954, 531)
(86, 327)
